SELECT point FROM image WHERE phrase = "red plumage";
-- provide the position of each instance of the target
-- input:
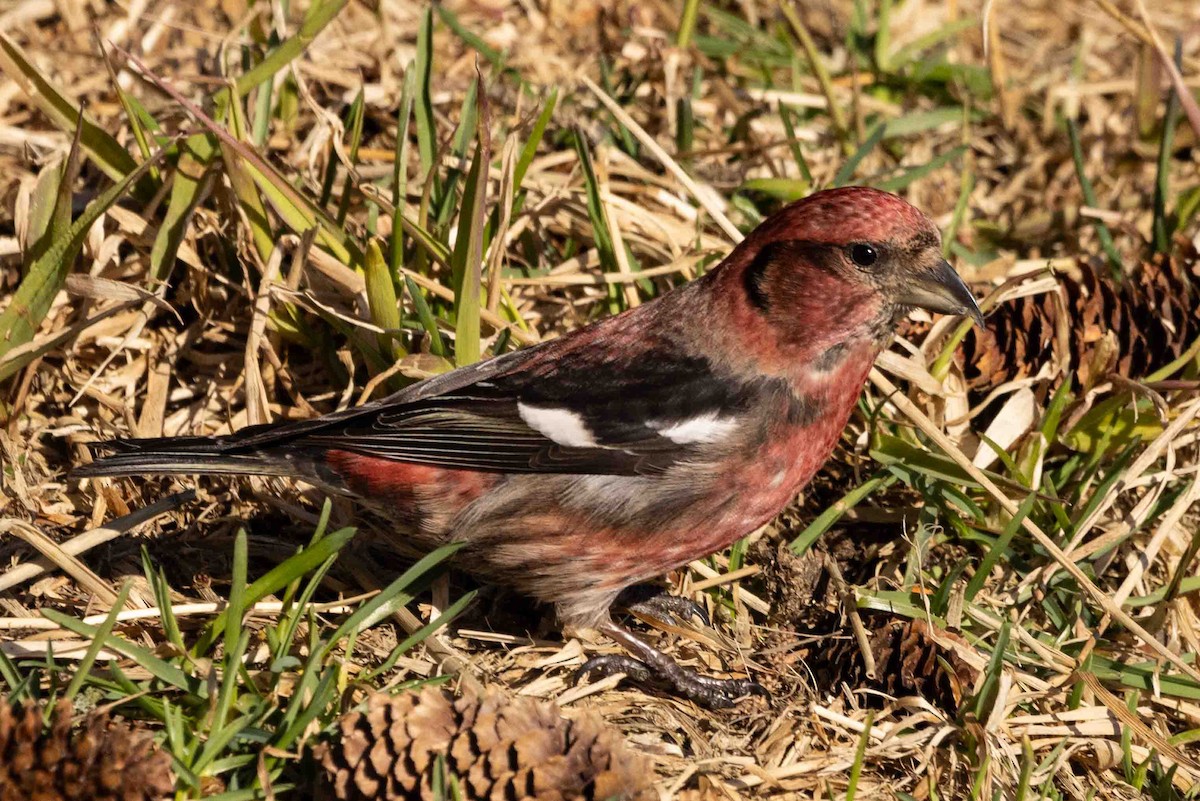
(584, 465)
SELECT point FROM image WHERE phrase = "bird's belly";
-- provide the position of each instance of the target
(585, 538)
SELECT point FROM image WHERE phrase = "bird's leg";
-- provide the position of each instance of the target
(656, 603)
(647, 664)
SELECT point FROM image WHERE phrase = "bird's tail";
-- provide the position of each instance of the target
(185, 455)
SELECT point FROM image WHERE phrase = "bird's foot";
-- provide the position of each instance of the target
(657, 604)
(648, 665)
(707, 691)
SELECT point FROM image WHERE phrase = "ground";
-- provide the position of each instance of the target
(626, 147)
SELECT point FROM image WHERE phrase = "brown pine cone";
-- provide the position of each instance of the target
(102, 761)
(906, 663)
(493, 747)
(1131, 327)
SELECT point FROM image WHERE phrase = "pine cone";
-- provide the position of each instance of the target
(102, 761)
(493, 747)
(1132, 327)
(906, 663)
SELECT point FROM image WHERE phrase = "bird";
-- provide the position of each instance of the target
(585, 466)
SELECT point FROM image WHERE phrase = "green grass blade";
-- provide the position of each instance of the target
(987, 693)
(883, 36)
(235, 607)
(785, 189)
(296, 210)
(817, 64)
(467, 260)
(919, 122)
(319, 15)
(1161, 227)
(528, 152)
(56, 217)
(305, 560)
(785, 116)
(289, 623)
(279, 577)
(1089, 197)
(436, 346)
(950, 235)
(446, 199)
(600, 232)
(20, 321)
(11, 675)
(319, 694)
(999, 549)
(219, 738)
(162, 598)
(687, 24)
(381, 300)
(244, 189)
(831, 515)
(263, 100)
(400, 168)
(418, 636)
(426, 126)
(468, 270)
(891, 450)
(160, 669)
(847, 171)
(112, 159)
(42, 202)
(196, 154)
(355, 131)
(391, 598)
(105, 629)
(472, 39)
(860, 753)
(535, 138)
(135, 114)
(930, 40)
(899, 182)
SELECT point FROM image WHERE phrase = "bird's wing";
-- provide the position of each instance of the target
(545, 411)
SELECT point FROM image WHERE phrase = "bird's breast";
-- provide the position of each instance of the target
(800, 435)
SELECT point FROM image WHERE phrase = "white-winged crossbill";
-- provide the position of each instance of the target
(581, 466)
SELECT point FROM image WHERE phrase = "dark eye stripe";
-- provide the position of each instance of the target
(752, 278)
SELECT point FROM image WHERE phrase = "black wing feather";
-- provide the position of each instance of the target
(471, 418)
(477, 425)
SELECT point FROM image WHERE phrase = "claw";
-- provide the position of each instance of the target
(671, 608)
(654, 603)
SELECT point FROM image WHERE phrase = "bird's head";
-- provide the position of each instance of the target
(844, 262)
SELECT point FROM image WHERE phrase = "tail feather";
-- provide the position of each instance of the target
(182, 455)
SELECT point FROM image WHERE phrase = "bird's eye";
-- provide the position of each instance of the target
(863, 255)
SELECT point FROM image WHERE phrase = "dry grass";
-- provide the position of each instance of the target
(685, 146)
